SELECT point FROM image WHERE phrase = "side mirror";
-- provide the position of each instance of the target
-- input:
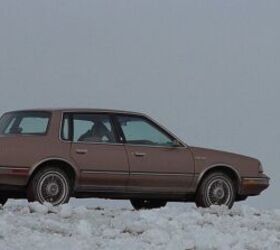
(176, 143)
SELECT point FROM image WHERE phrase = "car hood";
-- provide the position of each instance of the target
(207, 152)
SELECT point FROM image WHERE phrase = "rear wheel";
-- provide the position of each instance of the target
(139, 204)
(50, 184)
(216, 189)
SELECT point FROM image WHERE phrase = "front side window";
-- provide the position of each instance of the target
(24, 123)
(92, 128)
(138, 130)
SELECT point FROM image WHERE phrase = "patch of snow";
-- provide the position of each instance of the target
(36, 207)
(35, 226)
(84, 228)
(65, 211)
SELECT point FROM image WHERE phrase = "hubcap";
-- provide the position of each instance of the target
(219, 192)
(52, 188)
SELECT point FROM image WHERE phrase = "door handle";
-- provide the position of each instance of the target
(81, 151)
(139, 154)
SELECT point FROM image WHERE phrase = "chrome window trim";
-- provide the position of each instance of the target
(157, 126)
(62, 113)
(46, 133)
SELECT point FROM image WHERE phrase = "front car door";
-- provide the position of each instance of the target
(157, 164)
(97, 152)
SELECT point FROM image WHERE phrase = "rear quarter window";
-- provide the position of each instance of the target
(25, 123)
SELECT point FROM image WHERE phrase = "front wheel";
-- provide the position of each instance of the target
(51, 185)
(216, 189)
(139, 204)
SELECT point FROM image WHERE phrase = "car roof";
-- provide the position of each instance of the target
(80, 110)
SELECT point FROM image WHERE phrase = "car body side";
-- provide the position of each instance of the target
(21, 156)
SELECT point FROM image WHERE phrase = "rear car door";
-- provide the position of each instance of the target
(97, 152)
(157, 164)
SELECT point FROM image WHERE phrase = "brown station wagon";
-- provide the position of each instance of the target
(52, 155)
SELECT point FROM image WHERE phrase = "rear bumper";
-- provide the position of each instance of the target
(254, 185)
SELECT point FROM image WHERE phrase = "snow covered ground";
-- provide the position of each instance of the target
(34, 226)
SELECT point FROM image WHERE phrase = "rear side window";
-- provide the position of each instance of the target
(87, 127)
(25, 123)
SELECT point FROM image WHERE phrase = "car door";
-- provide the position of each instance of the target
(95, 148)
(157, 163)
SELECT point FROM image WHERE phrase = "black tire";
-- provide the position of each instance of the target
(3, 200)
(241, 197)
(139, 204)
(51, 184)
(216, 188)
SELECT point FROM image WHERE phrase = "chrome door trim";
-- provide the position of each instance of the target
(161, 174)
(104, 172)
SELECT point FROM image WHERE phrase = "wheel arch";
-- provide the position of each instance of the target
(65, 165)
(229, 170)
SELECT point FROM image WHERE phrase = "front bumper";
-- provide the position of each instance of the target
(254, 185)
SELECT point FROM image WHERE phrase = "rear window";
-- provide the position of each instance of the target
(25, 123)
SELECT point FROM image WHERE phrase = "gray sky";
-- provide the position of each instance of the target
(208, 70)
